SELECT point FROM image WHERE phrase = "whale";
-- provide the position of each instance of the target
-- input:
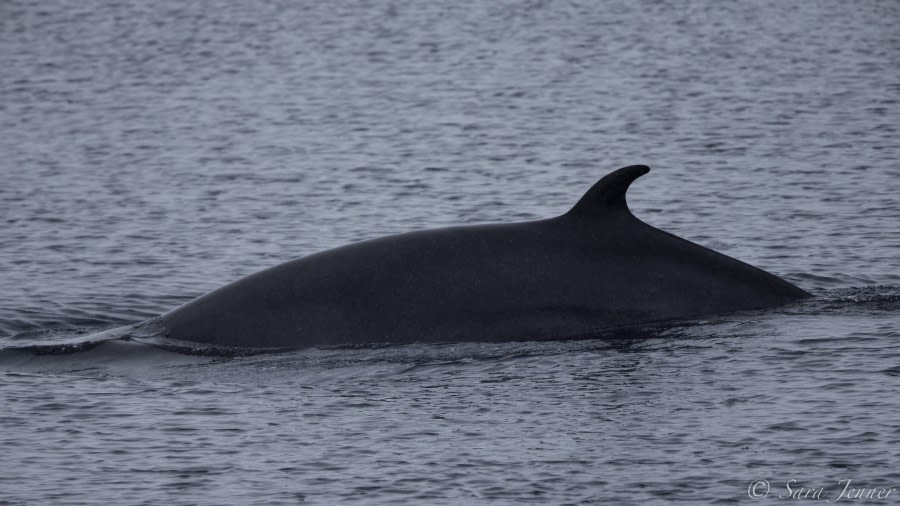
(593, 268)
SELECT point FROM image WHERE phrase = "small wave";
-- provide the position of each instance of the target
(110, 357)
(71, 345)
(150, 332)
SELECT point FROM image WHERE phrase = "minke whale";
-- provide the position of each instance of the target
(595, 267)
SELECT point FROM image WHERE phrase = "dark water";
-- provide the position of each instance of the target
(151, 152)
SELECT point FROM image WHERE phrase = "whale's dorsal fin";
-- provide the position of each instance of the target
(608, 195)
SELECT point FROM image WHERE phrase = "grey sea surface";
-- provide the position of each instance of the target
(153, 151)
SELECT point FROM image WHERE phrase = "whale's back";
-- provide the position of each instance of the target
(593, 268)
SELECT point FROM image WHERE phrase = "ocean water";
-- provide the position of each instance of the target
(151, 152)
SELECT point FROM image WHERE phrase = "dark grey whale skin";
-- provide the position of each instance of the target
(593, 268)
